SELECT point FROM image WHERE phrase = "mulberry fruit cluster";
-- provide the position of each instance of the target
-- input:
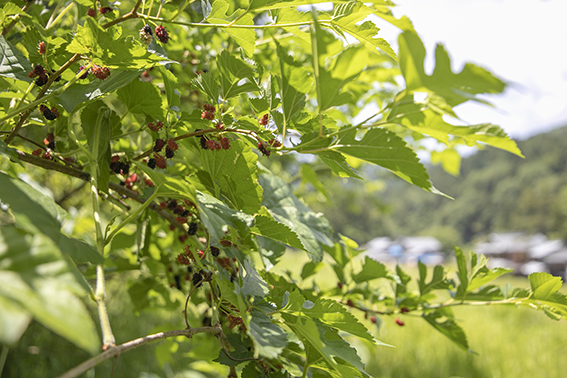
(162, 34)
(264, 120)
(39, 72)
(49, 114)
(101, 72)
(118, 166)
(155, 126)
(42, 49)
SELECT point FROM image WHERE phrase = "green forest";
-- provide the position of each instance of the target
(495, 191)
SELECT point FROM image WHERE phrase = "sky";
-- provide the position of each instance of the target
(524, 42)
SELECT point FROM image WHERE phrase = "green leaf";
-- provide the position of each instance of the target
(443, 321)
(242, 350)
(252, 283)
(286, 208)
(246, 38)
(37, 279)
(169, 186)
(8, 152)
(417, 117)
(265, 225)
(232, 71)
(36, 213)
(347, 19)
(76, 94)
(308, 175)
(438, 281)
(371, 269)
(328, 312)
(544, 285)
(338, 164)
(97, 120)
(103, 46)
(235, 172)
(207, 84)
(294, 83)
(385, 148)
(454, 88)
(170, 84)
(12, 63)
(269, 339)
(215, 215)
(142, 98)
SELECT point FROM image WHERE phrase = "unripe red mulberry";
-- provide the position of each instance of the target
(209, 108)
(171, 144)
(264, 120)
(101, 72)
(399, 322)
(207, 115)
(162, 34)
(41, 48)
(225, 143)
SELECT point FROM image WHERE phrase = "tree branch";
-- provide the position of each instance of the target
(85, 176)
(116, 350)
(16, 19)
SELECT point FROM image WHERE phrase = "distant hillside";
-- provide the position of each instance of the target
(496, 191)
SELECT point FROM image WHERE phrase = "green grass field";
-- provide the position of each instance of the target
(508, 342)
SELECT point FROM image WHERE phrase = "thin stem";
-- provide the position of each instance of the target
(187, 301)
(107, 335)
(9, 27)
(63, 12)
(109, 238)
(223, 26)
(117, 350)
(26, 110)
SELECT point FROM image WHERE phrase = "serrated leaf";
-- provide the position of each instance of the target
(12, 63)
(170, 84)
(338, 164)
(443, 321)
(286, 208)
(438, 281)
(169, 186)
(385, 148)
(544, 285)
(215, 215)
(329, 313)
(235, 172)
(347, 18)
(141, 98)
(207, 84)
(252, 283)
(93, 40)
(454, 88)
(76, 94)
(269, 339)
(38, 279)
(246, 38)
(294, 83)
(36, 213)
(371, 269)
(233, 70)
(265, 225)
(419, 118)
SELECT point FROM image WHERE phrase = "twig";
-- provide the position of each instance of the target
(116, 350)
(132, 14)
(16, 19)
(85, 176)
